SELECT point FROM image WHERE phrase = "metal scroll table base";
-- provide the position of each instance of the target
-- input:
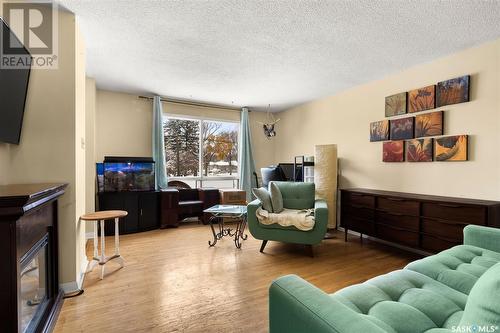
(237, 233)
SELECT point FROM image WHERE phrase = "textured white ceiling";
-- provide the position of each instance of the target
(281, 53)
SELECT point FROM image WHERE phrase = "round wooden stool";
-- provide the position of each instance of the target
(101, 217)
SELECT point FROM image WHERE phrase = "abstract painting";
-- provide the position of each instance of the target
(379, 130)
(395, 105)
(453, 91)
(451, 148)
(421, 99)
(419, 150)
(429, 124)
(393, 151)
(402, 129)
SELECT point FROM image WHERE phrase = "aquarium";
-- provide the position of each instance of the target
(100, 176)
(127, 174)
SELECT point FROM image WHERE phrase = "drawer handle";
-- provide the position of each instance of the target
(359, 206)
(447, 222)
(396, 228)
(450, 205)
(395, 214)
(395, 199)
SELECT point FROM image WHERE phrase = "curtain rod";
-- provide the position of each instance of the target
(205, 105)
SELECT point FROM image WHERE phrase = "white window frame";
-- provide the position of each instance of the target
(199, 179)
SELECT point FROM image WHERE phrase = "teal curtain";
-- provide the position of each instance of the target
(246, 163)
(158, 145)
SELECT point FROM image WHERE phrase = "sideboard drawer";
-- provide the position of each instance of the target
(363, 226)
(434, 244)
(361, 212)
(399, 236)
(455, 212)
(446, 229)
(359, 199)
(410, 223)
(398, 205)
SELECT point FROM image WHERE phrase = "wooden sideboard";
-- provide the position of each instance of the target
(424, 222)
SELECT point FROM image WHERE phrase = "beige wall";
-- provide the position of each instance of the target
(50, 149)
(344, 119)
(123, 125)
(80, 154)
(4, 165)
(90, 180)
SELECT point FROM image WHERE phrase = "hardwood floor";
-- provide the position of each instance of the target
(173, 282)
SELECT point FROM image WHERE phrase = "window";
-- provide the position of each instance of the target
(202, 152)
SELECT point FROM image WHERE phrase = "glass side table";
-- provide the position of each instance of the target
(219, 212)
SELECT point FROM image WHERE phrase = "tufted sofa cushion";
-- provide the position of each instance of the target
(405, 301)
(459, 267)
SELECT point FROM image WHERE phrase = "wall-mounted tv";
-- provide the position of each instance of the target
(13, 90)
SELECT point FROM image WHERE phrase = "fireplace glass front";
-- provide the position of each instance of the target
(33, 287)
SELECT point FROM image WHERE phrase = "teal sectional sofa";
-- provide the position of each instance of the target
(457, 290)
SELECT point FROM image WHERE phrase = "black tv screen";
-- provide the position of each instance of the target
(13, 89)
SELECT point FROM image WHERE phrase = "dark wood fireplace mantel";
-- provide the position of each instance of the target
(29, 282)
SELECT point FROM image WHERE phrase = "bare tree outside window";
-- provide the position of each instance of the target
(220, 146)
(209, 130)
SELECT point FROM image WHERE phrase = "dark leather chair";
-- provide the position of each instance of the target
(178, 184)
(180, 203)
(190, 204)
(272, 173)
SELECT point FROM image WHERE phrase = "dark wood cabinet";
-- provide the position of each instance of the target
(169, 208)
(29, 281)
(143, 210)
(149, 211)
(424, 222)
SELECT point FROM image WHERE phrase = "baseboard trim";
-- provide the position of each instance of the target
(73, 286)
(381, 241)
(69, 287)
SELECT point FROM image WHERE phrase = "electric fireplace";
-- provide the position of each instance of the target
(29, 284)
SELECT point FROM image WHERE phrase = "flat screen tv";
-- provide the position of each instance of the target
(13, 91)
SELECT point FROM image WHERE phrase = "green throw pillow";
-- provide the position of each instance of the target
(265, 198)
(276, 197)
(482, 308)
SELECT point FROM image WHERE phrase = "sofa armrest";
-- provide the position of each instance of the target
(321, 214)
(296, 306)
(483, 237)
(253, 206)
(251, 211)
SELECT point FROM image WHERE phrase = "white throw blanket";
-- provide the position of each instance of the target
(300, 219)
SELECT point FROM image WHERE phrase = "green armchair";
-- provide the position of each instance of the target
(295, 196)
